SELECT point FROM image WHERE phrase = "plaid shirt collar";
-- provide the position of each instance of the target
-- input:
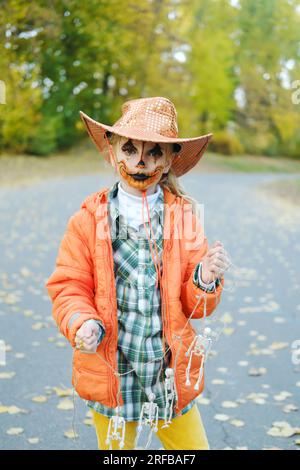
(114, 206)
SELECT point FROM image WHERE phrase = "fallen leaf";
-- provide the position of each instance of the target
(228, 331)
(290, 407)
(12, 410)
(20, 355)
(39, 325)
(282, 429)
(237, 423)
(203, 401)
(226, 318)
(282, 396)
(221, 417)
(229, 404)
(63, 392)
(25, 272)
(257, 372)
(7, 375)
(65, 404)
(88, 422)
(243, 363)
(70, 434)
(40, 399)
(277, 345)
(14, 431)
(33, 440)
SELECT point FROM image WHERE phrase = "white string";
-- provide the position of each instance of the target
(116, 373)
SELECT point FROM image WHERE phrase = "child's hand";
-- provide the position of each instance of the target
(87, 336)
(215, 262)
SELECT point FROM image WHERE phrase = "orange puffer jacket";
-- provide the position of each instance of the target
(83, 281)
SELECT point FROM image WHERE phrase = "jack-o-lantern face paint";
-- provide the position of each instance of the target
(141, 164)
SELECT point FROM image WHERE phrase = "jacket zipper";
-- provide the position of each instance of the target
(110, 262)
(168, 249)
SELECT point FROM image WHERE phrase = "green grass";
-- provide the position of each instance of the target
(255, 164)
(288, 191)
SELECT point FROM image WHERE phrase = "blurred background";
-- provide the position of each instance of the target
(231, 67)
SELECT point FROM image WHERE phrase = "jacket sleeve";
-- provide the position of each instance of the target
(71, 285)
(190, 290)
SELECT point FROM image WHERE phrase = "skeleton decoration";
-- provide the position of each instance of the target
(200, 346)
(170, 396)
(148, 416)
(116, 430)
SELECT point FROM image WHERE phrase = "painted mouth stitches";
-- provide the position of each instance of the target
(138, 179)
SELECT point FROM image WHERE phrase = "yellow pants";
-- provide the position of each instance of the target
(186, 432)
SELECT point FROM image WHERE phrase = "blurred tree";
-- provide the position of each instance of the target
(228, 65)
(268, 49)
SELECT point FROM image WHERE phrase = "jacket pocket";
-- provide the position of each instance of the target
(90, 385)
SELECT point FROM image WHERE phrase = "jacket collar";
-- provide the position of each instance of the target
(114, 207)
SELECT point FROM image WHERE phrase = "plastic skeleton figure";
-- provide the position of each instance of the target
(170, 395)
(116, 430)
(148, 415)
(200, 346)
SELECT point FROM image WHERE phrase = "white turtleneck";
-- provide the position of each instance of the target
(131, 206)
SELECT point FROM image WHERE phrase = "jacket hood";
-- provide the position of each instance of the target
(92, 201)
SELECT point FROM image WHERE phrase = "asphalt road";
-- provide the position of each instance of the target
(251, 380)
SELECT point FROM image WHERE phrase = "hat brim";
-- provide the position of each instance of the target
(192, 149)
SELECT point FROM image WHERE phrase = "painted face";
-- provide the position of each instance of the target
(142, 164)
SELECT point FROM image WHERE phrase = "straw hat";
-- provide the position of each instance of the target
(151, 120)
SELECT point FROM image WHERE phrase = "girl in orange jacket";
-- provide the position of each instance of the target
(124, 299)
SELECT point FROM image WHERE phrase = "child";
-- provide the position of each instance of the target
(124, 287)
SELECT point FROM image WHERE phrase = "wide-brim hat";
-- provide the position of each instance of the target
(152, 120)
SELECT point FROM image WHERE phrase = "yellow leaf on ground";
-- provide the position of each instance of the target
(257, 372)
(65, 404)
(229, 404)
(221, 417)
(228, 331)
(33, 440)
(88, 422)
(63, 392)
(282, 429)
(70, 434)
(237, 423)
(40, 399)
(39, 325)
(14, 431)
(13, 410)
(282, 396)
(7, 375)
(226, 318)
(290, 407)
(203, 401)
(276, 346)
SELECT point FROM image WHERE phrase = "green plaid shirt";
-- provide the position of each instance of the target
(139, 312)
